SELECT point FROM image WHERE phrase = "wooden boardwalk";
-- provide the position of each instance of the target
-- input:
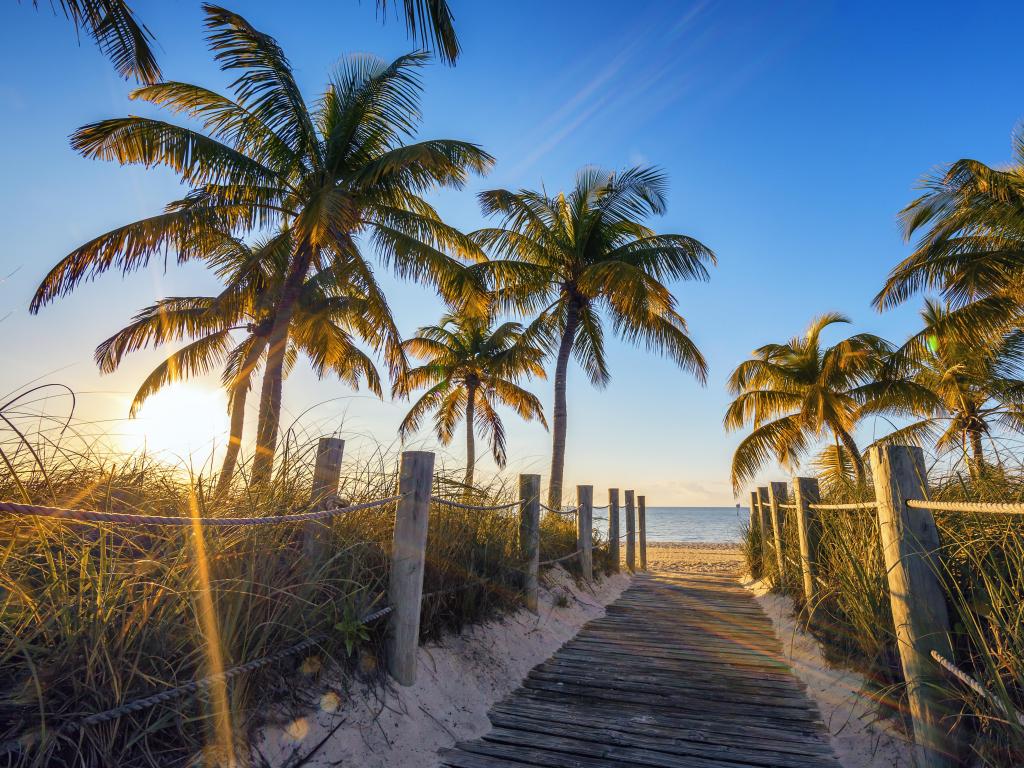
(684, 670)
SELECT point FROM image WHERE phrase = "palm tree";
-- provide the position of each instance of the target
(328, 174)
(127, 42)
(329, 319)
(971, 248)
(577, 258)
(118, 33)
(795, 393)
(963, 388)
(470, 368)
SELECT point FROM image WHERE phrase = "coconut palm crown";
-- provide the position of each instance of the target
(971, 246)
(335, 173)
(579, 259)
(472, 367)
(797, 393)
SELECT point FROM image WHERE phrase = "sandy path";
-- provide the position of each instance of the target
(702, 557)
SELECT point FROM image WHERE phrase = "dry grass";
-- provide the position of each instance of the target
(94, 615)
(982, 569)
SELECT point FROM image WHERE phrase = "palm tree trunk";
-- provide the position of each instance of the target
(851, 448)
(470, 434)
(977, 463)
(560, 415)
(227, 469)
(273, 376)
(239, 394)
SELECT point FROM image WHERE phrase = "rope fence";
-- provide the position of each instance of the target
(907, 534)
(92, 516)
(195, 687)
(554, 560)
(570, 511)
(977, 687)
(998, 508)
(474, 507)
(856, 505)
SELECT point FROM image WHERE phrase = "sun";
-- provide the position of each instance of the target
(179, 423)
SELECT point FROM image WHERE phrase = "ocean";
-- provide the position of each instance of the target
(717, 524)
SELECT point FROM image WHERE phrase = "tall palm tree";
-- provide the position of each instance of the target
(117, 32)
(971, 246)
(964, 389)
(577, 258)
(796, 393)
(329, 320)
(329, 174)
(471, 367)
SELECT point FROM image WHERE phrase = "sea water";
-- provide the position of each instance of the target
(717, 524)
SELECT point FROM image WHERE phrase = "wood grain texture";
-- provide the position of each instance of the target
(682, 671)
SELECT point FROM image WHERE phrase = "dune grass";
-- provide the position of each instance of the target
(95, 615)
(982, 570)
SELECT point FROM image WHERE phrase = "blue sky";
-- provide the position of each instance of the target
(792, 133)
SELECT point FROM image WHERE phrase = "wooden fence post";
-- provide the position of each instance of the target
(613, 528)
(805, 493)
(408, 555)
(641, 517)
(585, 529)
(755, 526)
(910, 545)
(630, 533)
(326, 472)
(766, 530)
(777, 495)
(529, 536)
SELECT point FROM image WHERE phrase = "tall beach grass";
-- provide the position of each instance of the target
(96, 615)
(981, 566)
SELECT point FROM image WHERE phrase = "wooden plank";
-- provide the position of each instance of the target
(672, 725)
(681, 671)
(749, 752)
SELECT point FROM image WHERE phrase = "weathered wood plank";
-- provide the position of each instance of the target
(682, 671)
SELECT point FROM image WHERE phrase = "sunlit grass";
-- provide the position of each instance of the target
(95, 615)
(983, 573)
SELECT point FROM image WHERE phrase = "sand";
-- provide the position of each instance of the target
(457, 682)
(460, 678)
(696, 557)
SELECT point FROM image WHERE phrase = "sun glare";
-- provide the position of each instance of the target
(177, 423)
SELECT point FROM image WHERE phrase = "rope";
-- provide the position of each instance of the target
(603, 506)
(975, 686)
(787, 506)
(968, 506)
(196, 686)
(570, 511)
(560, 559)
(90, 516)
(460, 505)
(861, 505)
